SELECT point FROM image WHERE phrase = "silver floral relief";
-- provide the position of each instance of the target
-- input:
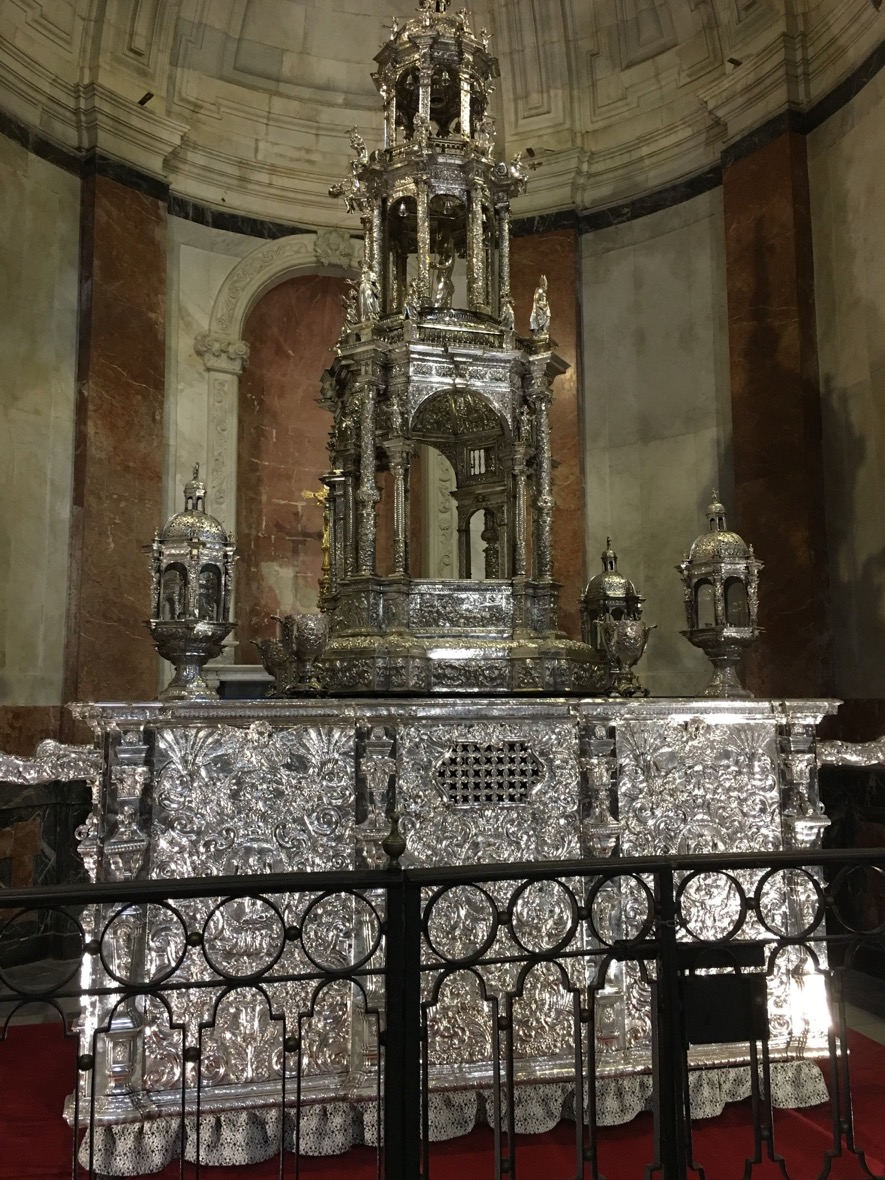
(689, 787)
(480, 608)
(246, 1036)
(545, 827)
(475, 784)
(537, 1008)
(253, 799)
(233, 800)
(455, 790)
(692, 787)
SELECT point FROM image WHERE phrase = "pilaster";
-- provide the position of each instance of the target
(776, 412)
(118, 459)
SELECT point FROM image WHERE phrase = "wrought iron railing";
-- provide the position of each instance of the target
(410, 1003)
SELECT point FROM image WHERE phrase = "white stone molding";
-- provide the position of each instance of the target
(118, 127)
(270, 264)
(775, 78)
(225, 353)
(618, 97)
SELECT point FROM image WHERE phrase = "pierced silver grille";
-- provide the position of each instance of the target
(477, 775)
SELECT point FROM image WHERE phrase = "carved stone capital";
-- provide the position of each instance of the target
(335, 247)
(221, 354)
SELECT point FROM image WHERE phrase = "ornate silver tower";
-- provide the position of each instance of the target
(428, 361)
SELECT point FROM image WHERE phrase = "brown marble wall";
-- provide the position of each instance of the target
(858, 720)
(118, 476)
(556, 255)
(282, 452)
(776, 413)
(23, 727)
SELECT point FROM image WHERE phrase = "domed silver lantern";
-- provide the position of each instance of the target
(720, 578)
(611, 622)
(192, 566)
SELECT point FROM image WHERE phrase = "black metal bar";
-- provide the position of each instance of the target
(589, 1137)
(135, 892)
(635, 865)
(506, 1161)
(411, 1014)
(669, 1060)
(402, 1037)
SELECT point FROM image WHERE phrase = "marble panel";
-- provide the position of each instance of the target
(118, 461)
(23, 727)
(556, 255)
(282, 452)
(846, 162)
(776, 412)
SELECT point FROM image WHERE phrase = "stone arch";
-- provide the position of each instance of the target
(225, 353)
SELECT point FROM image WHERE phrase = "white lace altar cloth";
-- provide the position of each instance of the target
(331, 1128)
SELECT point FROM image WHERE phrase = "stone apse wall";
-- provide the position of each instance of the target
(657, 414)
(732, 339)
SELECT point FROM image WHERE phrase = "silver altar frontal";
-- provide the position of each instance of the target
(205, 789)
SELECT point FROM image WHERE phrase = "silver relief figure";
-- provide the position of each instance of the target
(443, 286)
(368, 295)
(539, 322)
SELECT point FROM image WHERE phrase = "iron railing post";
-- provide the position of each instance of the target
(402, 1038)
(668, 1065)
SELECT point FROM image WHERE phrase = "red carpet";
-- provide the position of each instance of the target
(36, 1071)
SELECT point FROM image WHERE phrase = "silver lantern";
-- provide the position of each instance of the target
(611, 622)
(192, 566)
(720, 579)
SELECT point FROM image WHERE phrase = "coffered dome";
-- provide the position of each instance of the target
(246, 105)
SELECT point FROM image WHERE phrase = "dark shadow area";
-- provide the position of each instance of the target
(38, 846)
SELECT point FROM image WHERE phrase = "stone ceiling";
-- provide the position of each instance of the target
(250, 101)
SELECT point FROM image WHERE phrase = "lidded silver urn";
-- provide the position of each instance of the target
(720, 581)
(611, 622)
(192, 568)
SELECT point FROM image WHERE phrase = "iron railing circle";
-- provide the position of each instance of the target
(64, 979)
(648, 923)
(235, 976)
(481, 947)
(376, 940)
(744, 907)
(840, 880)
(118, 914)
(571, 929)
(763, 881)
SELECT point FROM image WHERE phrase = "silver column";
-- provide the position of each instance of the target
(425, 79)
(476, 252)
(423, 199)
(399, 452)
(543, 558)
(519, 501)
(368, 493)
(465, 105)
(503, 254)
